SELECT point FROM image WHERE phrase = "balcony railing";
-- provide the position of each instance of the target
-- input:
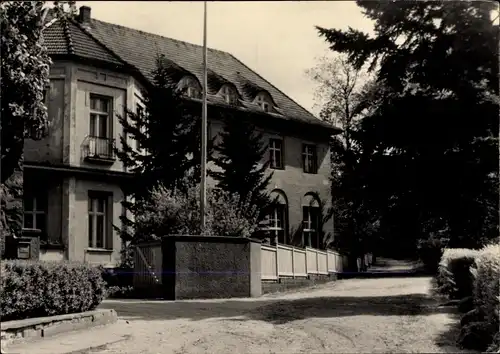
(99, 150)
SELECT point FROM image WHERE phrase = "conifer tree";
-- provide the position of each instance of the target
(240, 155)
(161, 142)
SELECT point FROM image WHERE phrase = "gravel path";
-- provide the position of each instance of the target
(350, 316)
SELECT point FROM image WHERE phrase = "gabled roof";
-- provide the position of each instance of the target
(69, 38)
(120, 45)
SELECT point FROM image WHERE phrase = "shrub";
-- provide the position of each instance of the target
(481, 325)
(176, 213)
(119, 281)
(430, 251)
(454, 277)
(36, 289)
(486, 287)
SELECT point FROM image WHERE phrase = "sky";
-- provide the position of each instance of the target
(277, 39)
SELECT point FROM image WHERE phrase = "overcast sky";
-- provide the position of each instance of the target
(277, 39)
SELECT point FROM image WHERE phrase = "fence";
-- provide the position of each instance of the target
(148, 262)
(289, 261)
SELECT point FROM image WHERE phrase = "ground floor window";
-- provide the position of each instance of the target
(311, 226)
(35, 210)
(99, 222)
(276, 218)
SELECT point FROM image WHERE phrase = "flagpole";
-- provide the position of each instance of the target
(203, 190)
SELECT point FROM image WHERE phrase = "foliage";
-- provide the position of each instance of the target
(25, 74)
(423, 159)
(175, 213)
(119, 282)
(344, 95)
(160, 144)
(454, 276)
(241, 163)
(480, 326)
(35, 289)
(430, 252)
(11, 212)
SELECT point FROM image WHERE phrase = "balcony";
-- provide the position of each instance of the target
(99, 150)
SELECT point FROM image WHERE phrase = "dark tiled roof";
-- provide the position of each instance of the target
(117, 44)
(69, 38)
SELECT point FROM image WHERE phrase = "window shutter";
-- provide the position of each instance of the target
(109, 223)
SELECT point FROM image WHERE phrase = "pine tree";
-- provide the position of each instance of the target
(239, 157)
(161, 142)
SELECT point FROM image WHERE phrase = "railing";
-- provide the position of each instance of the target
(288, 261)
(99, 148)
(148, 264)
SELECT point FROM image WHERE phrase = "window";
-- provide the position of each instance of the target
(263, 101)
(192, 87)
(98, 221)
(34, 211)
(309, 158)
(100, 108)
(229, 94)
(311, 223)
(276, 153)
(139, 111)
(276, 222)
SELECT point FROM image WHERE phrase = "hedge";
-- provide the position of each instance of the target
(454, 277)
(481, 325)
(36, 289)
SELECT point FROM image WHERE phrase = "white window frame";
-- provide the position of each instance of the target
(33, 214)
(263, 102)
(274, 151)
(310, 155)
(229, 94)
(274, 217)
(309, 230)
(193, 88)
(100, 114)
(93, 213)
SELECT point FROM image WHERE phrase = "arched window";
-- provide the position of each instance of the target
(277, 217)
(191, 86)
(311, 221)
(229, 93)
(264, 101)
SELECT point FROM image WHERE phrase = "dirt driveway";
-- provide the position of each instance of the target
(350, 316)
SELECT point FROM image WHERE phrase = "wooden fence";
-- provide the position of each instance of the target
(148, 265)
(288, 261)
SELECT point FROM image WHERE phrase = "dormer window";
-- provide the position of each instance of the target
(191, 86)
(264, 101)
(229, 94)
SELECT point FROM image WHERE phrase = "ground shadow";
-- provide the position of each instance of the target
(276, 310)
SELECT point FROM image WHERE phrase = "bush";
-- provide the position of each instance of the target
(454, 277)
(119, 281)
(176, 213)
(35, 289)
(430, 251)
(481, 325)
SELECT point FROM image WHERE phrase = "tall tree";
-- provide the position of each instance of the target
(241, 160)
(160, 144)
(25, 74)
(343, 95)
(438, 63)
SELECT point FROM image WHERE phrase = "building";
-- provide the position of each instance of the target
(72, 178)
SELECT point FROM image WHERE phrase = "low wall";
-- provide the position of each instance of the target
(210, 267)
(41, 327)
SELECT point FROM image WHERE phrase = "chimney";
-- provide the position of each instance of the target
(84, 15)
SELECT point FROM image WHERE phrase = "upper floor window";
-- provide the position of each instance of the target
(34, 210)
(264, 101)
(229, 94)
(309, 158)
(276, 153)
(191, 86)
(100, 116)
